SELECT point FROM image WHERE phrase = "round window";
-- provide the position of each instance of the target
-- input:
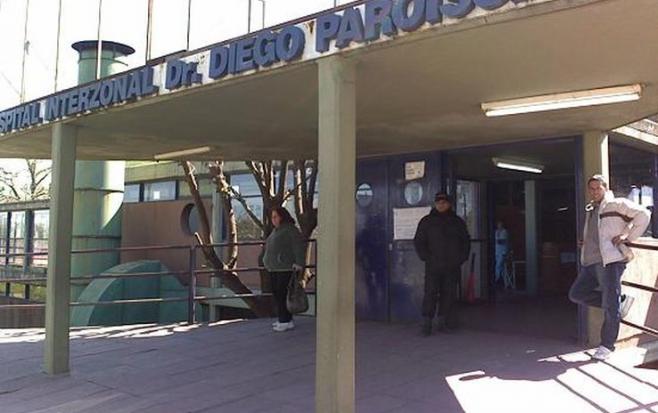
(364, 195)
(413, 193)
(189, 219)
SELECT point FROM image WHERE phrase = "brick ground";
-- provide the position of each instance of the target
(244, 367)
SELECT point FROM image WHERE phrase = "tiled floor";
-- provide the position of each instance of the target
(244, 367)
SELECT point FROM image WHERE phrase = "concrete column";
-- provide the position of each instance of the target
(595, 156)
(56, 346)
(531, 247)
(334, 371)
(595, 161)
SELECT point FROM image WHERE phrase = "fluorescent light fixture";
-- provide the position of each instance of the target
(182, 153)
(563, 100)
(518, 165)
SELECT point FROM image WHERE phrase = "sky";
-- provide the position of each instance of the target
(122, 21)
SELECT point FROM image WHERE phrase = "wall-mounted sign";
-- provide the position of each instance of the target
(405, 222)
(329, 33)
(414, 170)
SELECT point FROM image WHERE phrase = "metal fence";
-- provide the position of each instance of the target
(643, 328)
(191, 274)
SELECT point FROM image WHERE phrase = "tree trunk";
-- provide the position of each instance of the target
(307, 215)
(229, 279)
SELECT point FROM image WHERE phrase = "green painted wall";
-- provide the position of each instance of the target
(131, 288)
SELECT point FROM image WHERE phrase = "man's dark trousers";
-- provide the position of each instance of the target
(441, 292)
(600, 286)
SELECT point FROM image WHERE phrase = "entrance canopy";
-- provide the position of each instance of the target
(416, 92)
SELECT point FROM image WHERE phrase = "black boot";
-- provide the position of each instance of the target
(426, 329)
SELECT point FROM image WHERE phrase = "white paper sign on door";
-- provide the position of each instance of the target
(414, 170)
(405, 222)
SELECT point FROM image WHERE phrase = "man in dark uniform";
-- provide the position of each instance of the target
(443, 243)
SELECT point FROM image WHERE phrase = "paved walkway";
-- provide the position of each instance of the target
(243, 367)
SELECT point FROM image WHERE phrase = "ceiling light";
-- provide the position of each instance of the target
(182, 153)
(563, 100)
(518, 165)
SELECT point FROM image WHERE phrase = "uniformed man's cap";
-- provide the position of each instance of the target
(442, 196)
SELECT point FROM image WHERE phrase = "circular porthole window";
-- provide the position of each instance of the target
(189, 219)
(364, 195)
(413, 193)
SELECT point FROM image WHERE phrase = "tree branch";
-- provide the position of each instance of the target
(283, 177)
(218, 176)
(238, 197)
(188, 168)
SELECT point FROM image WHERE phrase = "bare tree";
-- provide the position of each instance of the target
(223, 270)
(272, 188)
(218, 177)
(29, 184)
(271, 178)
(274, 193)
(306, 176)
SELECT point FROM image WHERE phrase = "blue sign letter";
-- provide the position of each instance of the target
(147, 81)
(351, 28)
(106, 92)
(407, 22)
(120, 89)
(174, 74)
(265, 49)
(327, 29)
(218, 62)
(290, 43)
(378, 19)
(457, 8)
(490, 4)
(433, 11)
(244, 55)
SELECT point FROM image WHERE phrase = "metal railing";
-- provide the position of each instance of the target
(642, 287)
(191, 273)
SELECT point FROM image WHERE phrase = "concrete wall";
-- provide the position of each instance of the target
(159, 223)
(156, 224)
(642, 270)
(130, 288)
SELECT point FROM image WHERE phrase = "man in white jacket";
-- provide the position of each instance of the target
(609, 223)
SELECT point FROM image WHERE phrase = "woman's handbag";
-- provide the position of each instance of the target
(296, 300)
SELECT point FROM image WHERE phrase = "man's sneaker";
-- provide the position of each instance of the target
(276, 323)
(426, 328)
(281, 327)
(626, 303)
(601, 353)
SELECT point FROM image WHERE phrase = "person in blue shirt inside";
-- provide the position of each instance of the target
(502, 249)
